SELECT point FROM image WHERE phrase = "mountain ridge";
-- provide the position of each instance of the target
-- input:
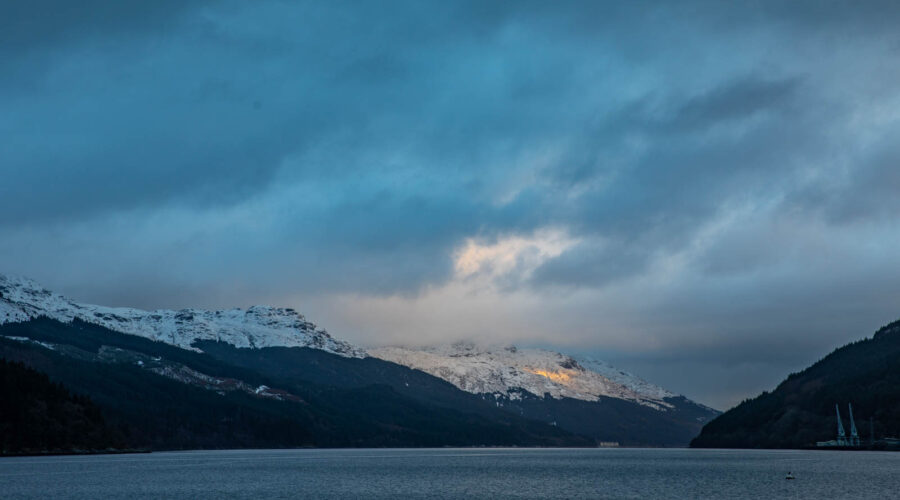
(278, 348)
(482, 369)
(542, 372)
(22, 299)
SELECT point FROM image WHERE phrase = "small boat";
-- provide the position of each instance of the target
(789, 476)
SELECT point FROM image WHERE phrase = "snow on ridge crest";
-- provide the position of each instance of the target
(22, 299)
(505, 370)
(500, 370)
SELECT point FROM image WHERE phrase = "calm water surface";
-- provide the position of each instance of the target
(456, 473)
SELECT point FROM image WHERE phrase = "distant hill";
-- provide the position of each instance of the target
(800, 411)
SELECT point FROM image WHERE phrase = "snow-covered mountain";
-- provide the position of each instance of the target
(506, 371)
(22, 299)
(499, 371)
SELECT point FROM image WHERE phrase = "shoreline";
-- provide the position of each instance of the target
(148, 451)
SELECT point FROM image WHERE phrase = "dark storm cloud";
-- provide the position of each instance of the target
(36, 24)
(698, 155)
(729, 142)
(592, 264)
(868, 191)
(207, 115)
(32, 32)
(740, 99)
(221, 112)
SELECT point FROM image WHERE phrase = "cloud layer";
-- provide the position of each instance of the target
(682, 188)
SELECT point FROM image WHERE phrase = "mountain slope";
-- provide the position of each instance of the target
(603, 402)
(800, 411)
(236, 352)
(160, 396)
(506, 370)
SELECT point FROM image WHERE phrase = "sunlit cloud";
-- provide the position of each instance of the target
(520, 255)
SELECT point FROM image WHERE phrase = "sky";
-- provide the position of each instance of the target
(704, 193)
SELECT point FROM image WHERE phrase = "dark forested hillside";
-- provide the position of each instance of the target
(37, 415)
(154, 395)
(800, 411)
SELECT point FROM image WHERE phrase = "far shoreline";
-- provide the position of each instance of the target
(310, 448)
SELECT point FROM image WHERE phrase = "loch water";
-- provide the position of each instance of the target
(457, 473)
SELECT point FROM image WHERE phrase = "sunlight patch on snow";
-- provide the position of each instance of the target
(556, 376)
